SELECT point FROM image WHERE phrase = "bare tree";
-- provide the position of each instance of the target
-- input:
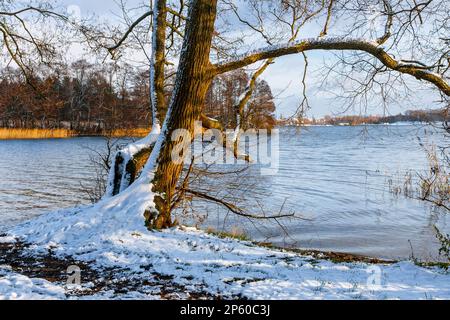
(377, 52)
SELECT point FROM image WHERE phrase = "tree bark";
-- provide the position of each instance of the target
(191, 86)
(127, 167)
(157, 74)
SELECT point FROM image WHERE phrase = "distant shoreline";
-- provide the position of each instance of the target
(412, 123)
(39, 134)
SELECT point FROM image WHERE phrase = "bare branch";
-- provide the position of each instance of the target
(369, 47)
(129, 31)
(328, 20)
(236, 210)
(389, 23)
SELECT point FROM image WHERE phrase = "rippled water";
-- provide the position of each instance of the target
(334, 177)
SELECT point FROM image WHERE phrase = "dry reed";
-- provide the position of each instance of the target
(25, 134)
(12, 134)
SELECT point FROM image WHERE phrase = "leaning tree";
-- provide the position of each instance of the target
(378, 46)
(371, 55)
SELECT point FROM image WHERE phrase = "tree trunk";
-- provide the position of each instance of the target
(193, 81)
(157, 75)
(129, 162)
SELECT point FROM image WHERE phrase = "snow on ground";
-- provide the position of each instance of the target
(17, 287)
(112, 234)
(14, 286)
(7, 239)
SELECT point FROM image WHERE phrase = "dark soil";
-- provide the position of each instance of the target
(54, 269)
(336, 257)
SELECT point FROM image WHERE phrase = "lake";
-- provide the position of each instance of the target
(337, 179)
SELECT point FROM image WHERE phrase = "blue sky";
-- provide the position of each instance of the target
(284, 76)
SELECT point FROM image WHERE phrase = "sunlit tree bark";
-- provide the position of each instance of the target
(192, 83)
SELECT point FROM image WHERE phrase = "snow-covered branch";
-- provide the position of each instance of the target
(342, 44)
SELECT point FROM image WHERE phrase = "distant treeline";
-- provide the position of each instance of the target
(90, 99)
(81, 97)
(440, 115)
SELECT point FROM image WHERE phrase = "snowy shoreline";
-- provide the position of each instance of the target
(198, 265)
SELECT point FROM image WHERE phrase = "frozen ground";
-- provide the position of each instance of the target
(17, 287)
(109, 236)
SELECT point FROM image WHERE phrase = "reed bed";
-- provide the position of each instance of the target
(25, 134)
(12, 134)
